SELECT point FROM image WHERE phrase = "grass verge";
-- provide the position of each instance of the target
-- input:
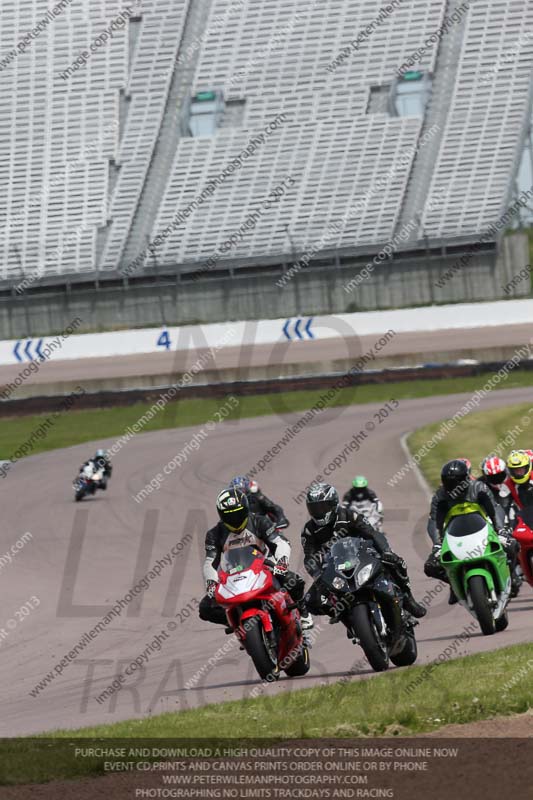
(76, 427)
(462, 690)
(474, 437)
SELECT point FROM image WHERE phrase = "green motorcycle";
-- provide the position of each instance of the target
(476, 565)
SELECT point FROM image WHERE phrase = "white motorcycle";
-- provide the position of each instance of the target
(372, 512)
(88, 481)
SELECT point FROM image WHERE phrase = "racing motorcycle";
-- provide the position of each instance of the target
(88, 481)
(369, 510)
(476, 565)
(368, 603)
(262, 615)
(523, 533)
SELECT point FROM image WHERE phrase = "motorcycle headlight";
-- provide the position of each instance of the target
(338, 583)
(363, 575)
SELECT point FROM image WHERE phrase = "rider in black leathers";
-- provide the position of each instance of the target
(459, 487)
(259, 503)
(234, 519)
(329, 521)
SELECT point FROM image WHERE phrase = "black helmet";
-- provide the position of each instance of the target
(322, 502)
(233, 509)
(456, 477)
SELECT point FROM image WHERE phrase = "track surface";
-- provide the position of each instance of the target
(36, 497)
(329, 354)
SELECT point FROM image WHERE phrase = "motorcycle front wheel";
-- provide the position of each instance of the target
(259, 651)
(480, 600)
(374, 649)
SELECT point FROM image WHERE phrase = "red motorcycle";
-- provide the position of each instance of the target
(523, 533)
(261, 614)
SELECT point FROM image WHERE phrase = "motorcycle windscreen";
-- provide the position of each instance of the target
(467, 536)
(242, 579)
(346, 554)
(238, 559)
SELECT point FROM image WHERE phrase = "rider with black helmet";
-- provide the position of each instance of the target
(458, 487)
(259, 503)
(329, 521)
(235, 517)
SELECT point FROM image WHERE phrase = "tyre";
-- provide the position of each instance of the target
(480, 601)
(257, 647)
(79, 495)
(374, 649)
(408, 654)
(300, 666)
(502, 622)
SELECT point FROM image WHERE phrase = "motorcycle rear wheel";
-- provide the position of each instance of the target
(258, 650)
(373, 648)
(480, 601)
(79, 495)
(408, 654)
(502, 622)
(300, 666)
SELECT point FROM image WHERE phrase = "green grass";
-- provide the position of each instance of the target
(474, 437)
(76, 427)
(455, 691)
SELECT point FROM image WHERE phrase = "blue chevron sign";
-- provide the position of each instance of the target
(297, 329)
(27, 350)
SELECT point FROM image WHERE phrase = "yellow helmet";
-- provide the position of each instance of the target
(519, 466)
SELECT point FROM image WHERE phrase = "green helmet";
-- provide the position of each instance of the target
(359, 482)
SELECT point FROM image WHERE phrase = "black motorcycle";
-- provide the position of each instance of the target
(368, 603)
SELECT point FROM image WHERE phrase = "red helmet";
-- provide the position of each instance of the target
(494, 470)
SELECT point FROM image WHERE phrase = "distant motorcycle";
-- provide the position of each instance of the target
(368, 603)
(262, 615)
(88, 481)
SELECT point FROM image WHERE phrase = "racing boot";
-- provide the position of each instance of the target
(412, 606)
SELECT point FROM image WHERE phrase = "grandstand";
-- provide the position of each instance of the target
(99, 164)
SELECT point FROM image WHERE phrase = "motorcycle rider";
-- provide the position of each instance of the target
(493, 475)
(329, 521)
(103, 462)
(520, 480)
(235, 517)
(85, 477)
(458, 486)
(100, 463)
(360, 492)
(259, 503)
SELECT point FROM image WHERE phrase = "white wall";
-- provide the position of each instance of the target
(235, 334)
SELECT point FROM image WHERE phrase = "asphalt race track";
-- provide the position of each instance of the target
(37, 497)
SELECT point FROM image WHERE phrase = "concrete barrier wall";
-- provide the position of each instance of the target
(391, 284)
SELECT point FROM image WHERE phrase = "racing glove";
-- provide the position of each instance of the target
(393, 560)
(210, 589)
(281, 566)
